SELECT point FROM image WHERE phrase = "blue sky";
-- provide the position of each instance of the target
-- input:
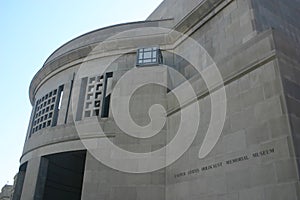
(30, 31)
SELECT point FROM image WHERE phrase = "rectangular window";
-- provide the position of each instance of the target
(149, 56)
(106, 94)
(43, 114)
(97, 91)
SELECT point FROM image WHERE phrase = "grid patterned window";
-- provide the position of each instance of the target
(97, 96)
(46, 109)
(93, 97)
(149, 56)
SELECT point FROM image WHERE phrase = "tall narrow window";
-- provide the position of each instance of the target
(106, 94)
(60, 99)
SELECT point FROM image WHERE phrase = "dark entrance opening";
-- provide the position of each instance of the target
(64, 176)
(19, 182)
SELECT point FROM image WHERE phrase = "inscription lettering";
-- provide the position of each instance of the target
(235, 160)
(263, 153)
(213, 166)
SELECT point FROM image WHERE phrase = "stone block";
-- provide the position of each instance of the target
(272, 88)
(257, 134)
(252, 97)
(244, 119)
(238, 180)
(234, 142)
(262, 175)
(255, 193)
(278, 126)
(281, 192)
(268, 109)
(286, 171)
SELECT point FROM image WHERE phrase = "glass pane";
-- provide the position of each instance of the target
(140, 56)
(147, 55)
(154, 54)
(148, 49)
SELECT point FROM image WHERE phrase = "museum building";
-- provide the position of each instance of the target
(239, 144)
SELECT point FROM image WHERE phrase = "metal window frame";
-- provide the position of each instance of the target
(153, 60)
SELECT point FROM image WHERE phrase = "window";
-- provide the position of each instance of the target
(44, 109)
(149, 56)
(93, 96)
(60, 99)
(98, 95)
(106, 95)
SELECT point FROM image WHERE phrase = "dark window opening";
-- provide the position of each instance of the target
(106, 95)
(96, 112)
(97, 104)
(105, 107)
(99, 86)
(87, 113)
(97, 95)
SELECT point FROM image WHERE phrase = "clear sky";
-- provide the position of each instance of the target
(30, 31)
